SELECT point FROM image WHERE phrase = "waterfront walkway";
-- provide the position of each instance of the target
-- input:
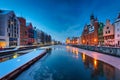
(13, 64)
(112, 60)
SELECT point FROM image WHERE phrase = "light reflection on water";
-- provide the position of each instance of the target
(66, 63)
(8, 57)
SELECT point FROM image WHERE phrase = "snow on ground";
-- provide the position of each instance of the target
(11, 65)
(112, 60)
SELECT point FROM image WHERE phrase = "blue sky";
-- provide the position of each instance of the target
(62, 18)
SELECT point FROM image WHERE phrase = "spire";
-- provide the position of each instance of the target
(107, 21)
(96, 19)
(92, 16)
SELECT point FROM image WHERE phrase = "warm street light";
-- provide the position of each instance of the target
(83, 41)
(95, 40)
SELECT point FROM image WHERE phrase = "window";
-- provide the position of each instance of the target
(108, 31)
(9, 34)
(118, 35)
(117, 24)
(107, 27)
(15, 35)
(117, 29)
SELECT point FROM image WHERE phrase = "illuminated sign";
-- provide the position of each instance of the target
(91, 29)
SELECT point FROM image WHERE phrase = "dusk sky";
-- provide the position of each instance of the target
(63, 18)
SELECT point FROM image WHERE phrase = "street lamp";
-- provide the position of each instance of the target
(95, 40)
(83, 41)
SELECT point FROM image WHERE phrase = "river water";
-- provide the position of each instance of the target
(66, 63)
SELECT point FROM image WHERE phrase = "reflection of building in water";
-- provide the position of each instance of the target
(4, 59)
(83, 57)
(49, 50)
(117, 74)
(99, 68)
(73, 50)
(15, 55)
(95, 62)
(8, 57)
(68, 48)
(109, 72)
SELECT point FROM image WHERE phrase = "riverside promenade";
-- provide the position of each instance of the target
(11, 68)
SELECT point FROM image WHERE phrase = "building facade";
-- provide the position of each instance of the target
(67, 40)
(35, 35)
(38, 36)
(117, 31)
(30, 33)
(75, 40)
(23, 31)
(100, 34)
(9, 29)
(90, 32)
(79, 40)
(108, 33)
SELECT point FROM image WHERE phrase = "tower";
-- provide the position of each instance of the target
(92, 19)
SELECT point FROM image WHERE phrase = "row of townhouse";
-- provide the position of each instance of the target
(15, 31)
(98, 33)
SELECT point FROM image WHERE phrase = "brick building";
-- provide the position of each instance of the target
(100, 34)
(23, 31)
(108, 33)
(30, 33)
(90, 32)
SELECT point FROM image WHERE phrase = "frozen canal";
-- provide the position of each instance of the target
(66, 63)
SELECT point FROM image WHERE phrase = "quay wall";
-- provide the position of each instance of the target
(105, 50)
